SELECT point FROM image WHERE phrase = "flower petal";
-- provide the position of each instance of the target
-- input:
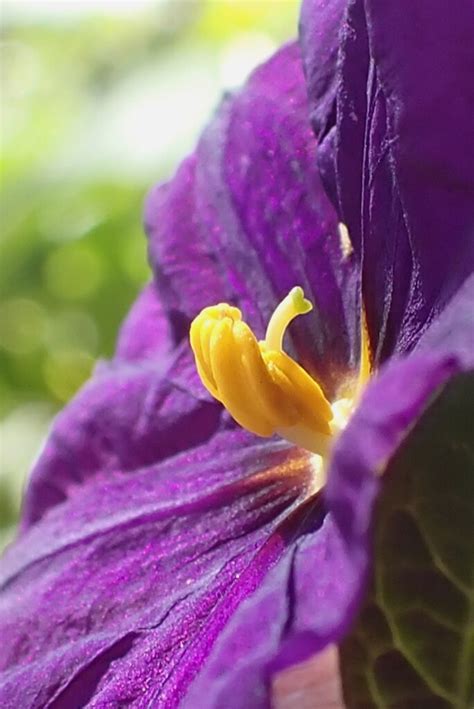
(246, 215)
(127, 416)
(453, 331)
(420, 153)
(295, 612)
(320, 27)
(392, 404)
(146, 332)
(402, 155)
(116, 596)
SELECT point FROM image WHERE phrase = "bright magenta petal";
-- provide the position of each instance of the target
(117, 595)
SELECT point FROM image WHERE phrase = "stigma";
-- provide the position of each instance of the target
(263, 388)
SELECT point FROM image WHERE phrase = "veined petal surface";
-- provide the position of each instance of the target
(116, 595)
(247, 216)
(127, 416)
(399, 154)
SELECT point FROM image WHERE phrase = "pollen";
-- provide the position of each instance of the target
(262, 387)
(345, 241)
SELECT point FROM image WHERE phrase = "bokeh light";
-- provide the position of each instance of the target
(65, 370)
(22, 324)
(73, 272)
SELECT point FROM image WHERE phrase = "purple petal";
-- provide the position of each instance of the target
(320, 26)
(121, 593)
(453, 331)
(310, 598)
(403, 156)
(116, 596)
(394, 401)
(295, 612)
(392, 404)
(126, 417)
(421, 100)
(245, 219)
(146, 332)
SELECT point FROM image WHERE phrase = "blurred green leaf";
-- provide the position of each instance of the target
(94, 110)
(413, 644)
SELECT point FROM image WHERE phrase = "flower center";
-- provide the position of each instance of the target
(264, 389)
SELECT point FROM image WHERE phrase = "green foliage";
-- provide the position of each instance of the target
(413, 644)
(94, 110)
(66, 285)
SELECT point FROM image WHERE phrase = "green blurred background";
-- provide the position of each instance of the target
(99, 100)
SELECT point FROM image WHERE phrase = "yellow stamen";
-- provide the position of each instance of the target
(263, 389)
(365, 355)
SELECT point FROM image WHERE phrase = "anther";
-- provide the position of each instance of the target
(263, 389)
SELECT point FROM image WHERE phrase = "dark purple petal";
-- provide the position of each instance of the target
(332, 106)
(401, 160)
(392, 404)
(320, 26)
(146, 332)
(126, 417)
(421, 142)
(454, 329)
(116, 596)
(245, 219)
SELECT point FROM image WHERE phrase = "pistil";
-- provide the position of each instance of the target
(290, 307)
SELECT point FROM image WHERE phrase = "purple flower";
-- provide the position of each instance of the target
(166, 556)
